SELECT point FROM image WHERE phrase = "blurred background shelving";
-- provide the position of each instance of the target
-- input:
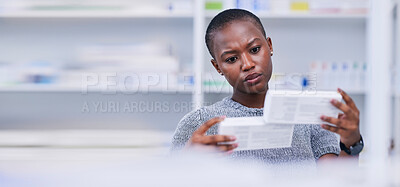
(58, 58)
(50, 46)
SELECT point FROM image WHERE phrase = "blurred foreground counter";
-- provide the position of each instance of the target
(140, 158)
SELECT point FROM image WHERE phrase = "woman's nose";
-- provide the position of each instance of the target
(247, 63)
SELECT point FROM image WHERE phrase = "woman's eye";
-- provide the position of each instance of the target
(255, 49)
(231, 59)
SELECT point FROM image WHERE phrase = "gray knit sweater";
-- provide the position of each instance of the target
(308, 144)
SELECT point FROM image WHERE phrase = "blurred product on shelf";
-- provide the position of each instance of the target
(181, 6)
(213, 5)
(215, 83)
(137, 65)
(35, 72)
(285, 6)
(279, 6)
(39, 72)
(299, 6)
(254, 5)
(325, 6)
(348, 75)
(344, 6)
(145, 57)
(133, 67)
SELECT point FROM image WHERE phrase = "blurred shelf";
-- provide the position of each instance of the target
(356, 92)
(167, 14)
(60, 88)
(301, 15)
(95, 14)
(82, 145)
(84, 138)
(38, 88)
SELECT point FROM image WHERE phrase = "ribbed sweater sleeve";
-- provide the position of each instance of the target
(323, 142)
(188, 124)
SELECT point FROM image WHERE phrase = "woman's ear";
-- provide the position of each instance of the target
(269, 41)
(214, 63)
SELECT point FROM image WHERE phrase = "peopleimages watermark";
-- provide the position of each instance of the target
(137, 107)
(131, 83)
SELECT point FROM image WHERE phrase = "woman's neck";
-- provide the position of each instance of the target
(249, 100)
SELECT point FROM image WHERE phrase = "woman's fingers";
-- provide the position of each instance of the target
(349, 101)
(343, 107)
(207, 125)
(227, 147)
(214, 139)
(331, 128)
(332, 120)
(221, 142)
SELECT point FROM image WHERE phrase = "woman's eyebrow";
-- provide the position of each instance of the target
(227, 52)
(248, 45)
(252, 41)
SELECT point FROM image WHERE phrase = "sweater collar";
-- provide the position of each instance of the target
(231, 103)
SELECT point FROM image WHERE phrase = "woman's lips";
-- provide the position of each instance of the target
(252, 78)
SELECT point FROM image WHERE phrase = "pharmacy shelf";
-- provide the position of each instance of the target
(356, 92)
(95, 14)
(303, 15)
(60, 88)
(82, 145)
(168, 14)
(84, 138)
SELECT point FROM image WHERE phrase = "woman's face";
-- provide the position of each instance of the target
(243, 55)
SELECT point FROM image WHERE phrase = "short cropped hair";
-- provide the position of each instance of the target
(224, 18)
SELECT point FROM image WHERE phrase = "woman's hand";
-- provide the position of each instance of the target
(347, 123)
(199, 137)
